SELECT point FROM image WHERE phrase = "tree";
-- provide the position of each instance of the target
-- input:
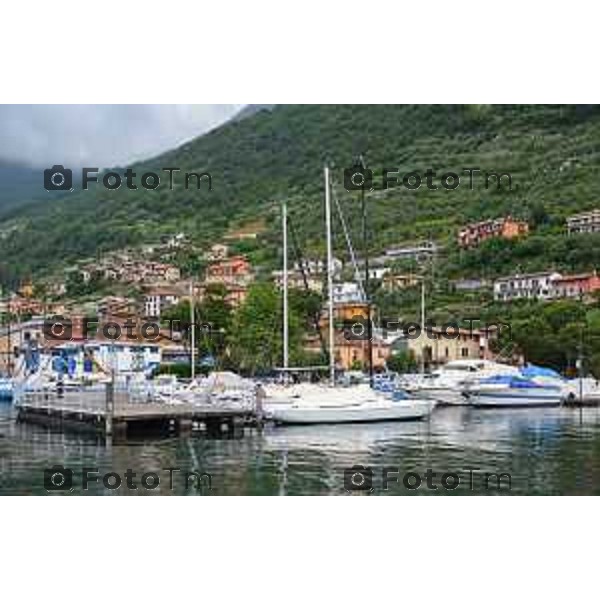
(402, 362)
(257, 344)
(215, 316)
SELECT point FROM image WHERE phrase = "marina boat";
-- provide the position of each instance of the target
(359, 404)
(515, 391)
(220, 387)
(583, 391)
(449, 384)
(329, 404)
(6, 389)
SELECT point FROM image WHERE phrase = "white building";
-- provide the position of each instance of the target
(378, 273)
(317, 266)
(156, 300)
(348, 292)
(529, 286)
(120, 357)
(585, 222)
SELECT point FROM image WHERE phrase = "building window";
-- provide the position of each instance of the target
(464, 352)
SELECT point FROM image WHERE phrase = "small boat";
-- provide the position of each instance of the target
(449, 384)
(515, 391)
(584, 391)
(6, 389)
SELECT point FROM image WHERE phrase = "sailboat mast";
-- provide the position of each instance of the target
(193, 330)
(367, 297)
(329, 277)
(422, 361)
(285, 290)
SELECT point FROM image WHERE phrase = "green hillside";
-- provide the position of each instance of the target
(552, 152)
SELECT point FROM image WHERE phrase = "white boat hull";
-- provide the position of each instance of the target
(6, 389)
(403, 410)
(443, 396)
(504, 396)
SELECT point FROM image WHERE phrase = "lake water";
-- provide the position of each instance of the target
(545, 451)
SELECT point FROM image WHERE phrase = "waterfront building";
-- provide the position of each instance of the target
(438, 345)
(353, 354)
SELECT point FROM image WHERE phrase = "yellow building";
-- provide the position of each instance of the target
(26, 290)
(439, 345)
(392, 282)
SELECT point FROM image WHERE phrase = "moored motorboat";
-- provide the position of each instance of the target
(450, 384)
(515, 391)
(6, 389)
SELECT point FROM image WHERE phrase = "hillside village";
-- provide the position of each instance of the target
(146, 284)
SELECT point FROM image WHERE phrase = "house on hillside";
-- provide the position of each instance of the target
(576, 286)
(585, 222)
(474, 234)
(397, 281)
(157, 299)
(530, 286)
(233, 270)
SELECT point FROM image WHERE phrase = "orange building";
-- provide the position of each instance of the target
(18, 305)
(473, 234)
(231, 270)
(236, 294)
(575, 286)
(353, 354)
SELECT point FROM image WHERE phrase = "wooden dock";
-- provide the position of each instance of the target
(115, 413)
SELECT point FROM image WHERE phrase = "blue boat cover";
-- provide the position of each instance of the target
(535, 371)
(512, 380)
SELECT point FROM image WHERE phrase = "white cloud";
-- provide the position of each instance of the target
(101, 135)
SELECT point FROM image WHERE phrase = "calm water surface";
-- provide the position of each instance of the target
(546, 451)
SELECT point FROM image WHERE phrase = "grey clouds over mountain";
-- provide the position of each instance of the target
(101, 135)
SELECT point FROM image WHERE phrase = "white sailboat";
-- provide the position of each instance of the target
(316, 404)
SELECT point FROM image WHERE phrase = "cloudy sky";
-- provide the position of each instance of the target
(101, 135)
